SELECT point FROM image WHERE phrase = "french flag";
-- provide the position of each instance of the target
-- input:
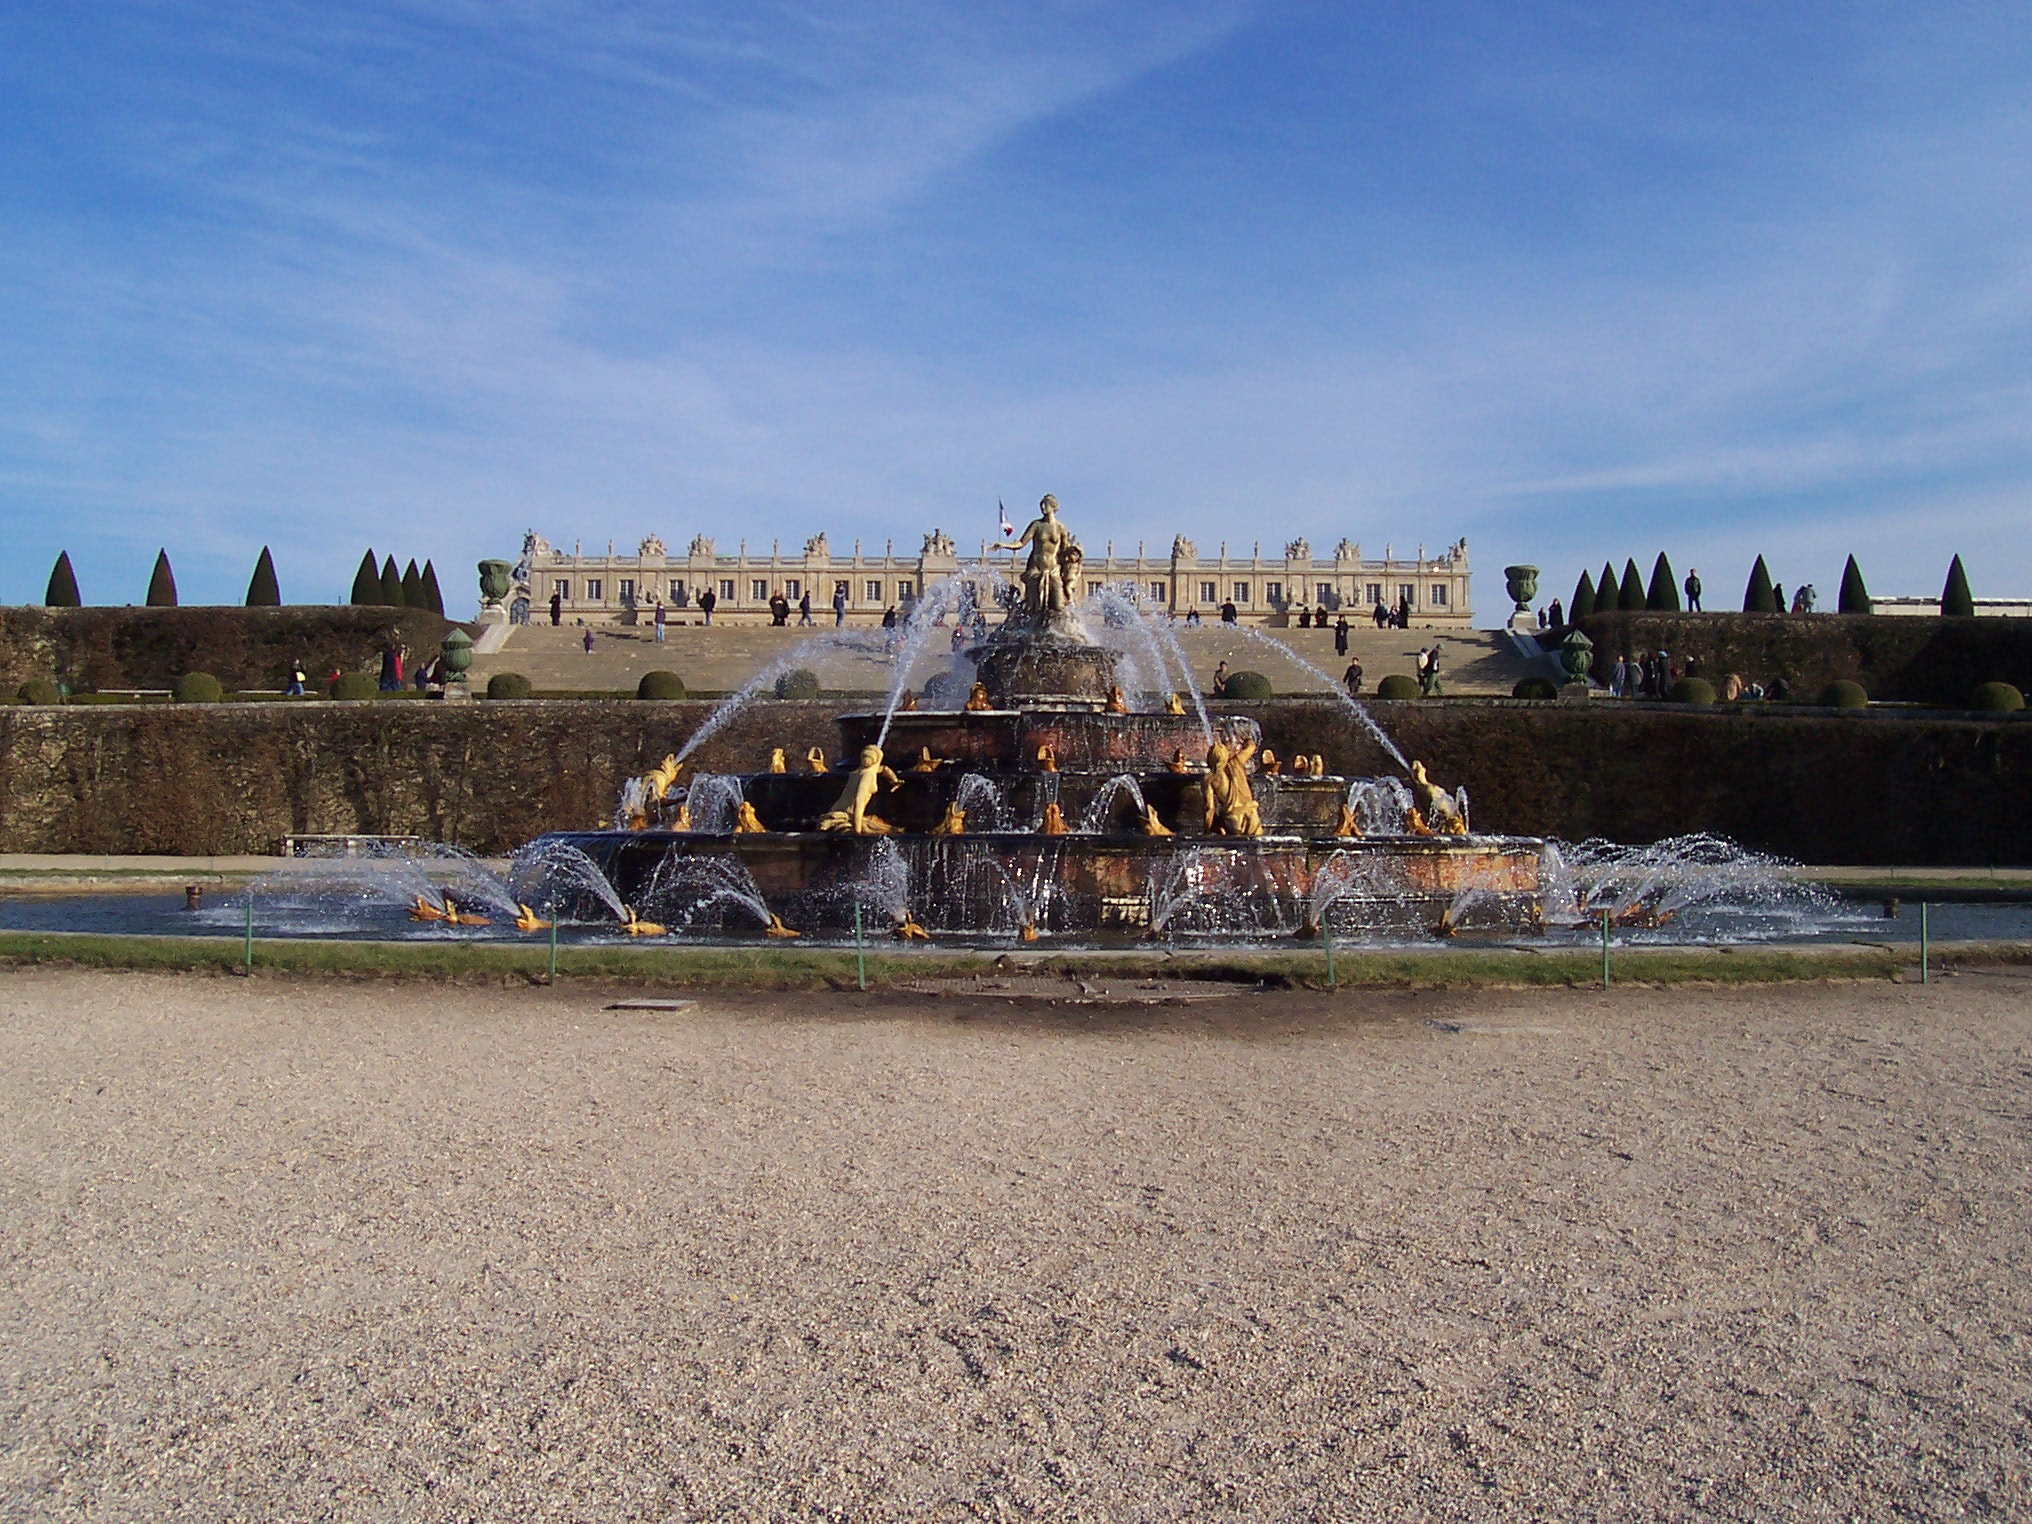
(1007, 527)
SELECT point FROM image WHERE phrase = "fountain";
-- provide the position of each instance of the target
(1164, 820)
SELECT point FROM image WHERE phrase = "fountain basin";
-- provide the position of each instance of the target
(1082, 737)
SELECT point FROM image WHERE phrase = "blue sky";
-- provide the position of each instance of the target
(1572, 281)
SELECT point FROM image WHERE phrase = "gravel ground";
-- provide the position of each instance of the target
(402, 1251)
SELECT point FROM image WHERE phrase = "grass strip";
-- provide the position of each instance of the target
(788, 969)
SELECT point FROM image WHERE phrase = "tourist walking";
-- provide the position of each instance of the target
(1379, 615)
(1228, 611)
(1619, 678)
(1192, 618)
(297, 678)
(1778, 595)
(391, 666)
(839, 605)
(662, 619)
(1557, 614)
(707, 602)
(804, 609)
(556, 607)
(1693, 591)
(587, 640)
(1428, 672)
(1340, 636)
(1352, 678)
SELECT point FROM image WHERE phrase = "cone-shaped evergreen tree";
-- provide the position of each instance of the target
(367, 580)
(162, 583)
(1758, 597)
(391, 584)
(432, 598)
(1663, 596)
(1631, 598)
(1606, 591)
(262, 591)
(63, 584)
(1955, 600)
(412, 585)
(1855, 598)
(1583, 598)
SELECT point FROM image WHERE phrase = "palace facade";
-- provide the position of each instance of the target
(625, 589)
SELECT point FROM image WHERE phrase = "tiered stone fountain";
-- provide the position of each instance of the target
(1045, 807)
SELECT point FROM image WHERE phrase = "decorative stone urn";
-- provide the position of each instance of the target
(1522, 582)
(457, 650)
(496, 578)
(1576, 654)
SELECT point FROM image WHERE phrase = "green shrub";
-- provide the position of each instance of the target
(1691, 690)
(196, 688)
(798, 683)
(1999, 698)
(1530, 688)
(162, 583)
(39, 690)
(660, 685)
(63, 583)
(511, 685)
(1663, 595)
(1583, 605)
(1955, 599)
(1844, 694)
(355, 685)
(1248, 685)
(1759, 597)
(1397, 686)
(1855, 598)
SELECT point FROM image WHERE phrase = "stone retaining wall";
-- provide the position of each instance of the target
(229, 778)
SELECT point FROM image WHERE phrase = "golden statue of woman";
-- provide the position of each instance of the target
(1043, 579)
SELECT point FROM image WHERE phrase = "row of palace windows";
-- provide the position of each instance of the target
(1273, 593)
(758, 590)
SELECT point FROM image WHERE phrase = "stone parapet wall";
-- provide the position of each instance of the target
(219, 779)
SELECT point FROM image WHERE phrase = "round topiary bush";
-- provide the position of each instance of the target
(1247, 685)
(1845, 694)
(1397, 686)
(1999, 698)
(510, 685)
(798, 683)
(1529, 688)
(660, 685)
(196, 688)
(355, 685)
(39, 690)
(1691, 690)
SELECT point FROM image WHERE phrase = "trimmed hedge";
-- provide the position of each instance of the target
(1247, 685)
(798, 683)
(355, 685)
(512, 685)
(1397, 686)
(196, 688)
(39, 690)
(1691, 690)
(660, 685)
(1844, 695)
(1999, 698)
(1533, 688)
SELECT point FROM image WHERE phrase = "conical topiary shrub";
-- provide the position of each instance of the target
(1855, 598)
(432, 598)
(262, 591)
(1758, 597)
(162, 583)
(1583, 598)
(1663, 595)
(1607, 591)
(63, 584)
(412, 586)
(1630, 599)
(367, 581)
(391, 585)
(1955, 600)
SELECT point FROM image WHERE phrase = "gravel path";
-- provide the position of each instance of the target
(400, 1251)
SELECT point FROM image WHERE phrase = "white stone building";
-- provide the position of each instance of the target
(625, 589)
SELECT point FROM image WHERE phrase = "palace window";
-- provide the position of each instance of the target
(758, 589)
(904, 591)
(627, 590)
(1325, 591)
(593, 586)
(1375, 592)
(1157, 592)
(793, 589)
(1273, 592)
(874, 590)
(1241, 592)
(1406, 593)
(677, 593)
(1208, 593)
(727, 588)
(1439, 595)
(562, 588)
